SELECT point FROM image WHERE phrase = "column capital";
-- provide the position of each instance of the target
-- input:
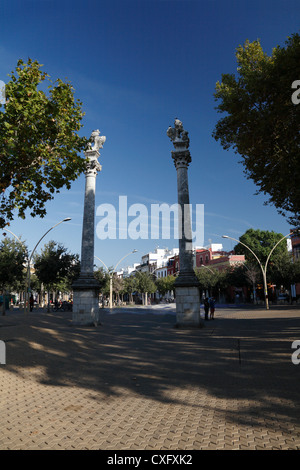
(182, 158)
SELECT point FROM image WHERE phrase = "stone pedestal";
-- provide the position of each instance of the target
(186, 284)
(86, 288)
(188, 306)
(86, 303)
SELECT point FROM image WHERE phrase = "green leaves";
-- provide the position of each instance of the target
(261, 243)
(12, 263)
(145, 283)
(261, 122)
(39, 145)
(165, 284)
(55, 264)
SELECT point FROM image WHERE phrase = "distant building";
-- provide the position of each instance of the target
(216, 257)
(295, 239)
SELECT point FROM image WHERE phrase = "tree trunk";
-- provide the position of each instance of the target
(48, 306)
(3, 305)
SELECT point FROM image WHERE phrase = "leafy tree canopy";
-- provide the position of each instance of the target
(165, 284)
(284, 271)
(145, 284)
(55, 264)
(210, 278)
(13, 256)
(261, 243)
(102, 277)
(130, 284)
(262, 122)
(39, 144)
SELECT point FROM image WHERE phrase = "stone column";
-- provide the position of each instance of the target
(186, 284)
(86, 287)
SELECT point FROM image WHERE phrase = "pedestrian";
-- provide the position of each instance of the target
(31, 302)
(212, 304)
(206, 308)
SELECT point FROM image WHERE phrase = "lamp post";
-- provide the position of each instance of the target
(30, 258)
(213, 272)
(263, 268)
(203, 266)
(111, 273)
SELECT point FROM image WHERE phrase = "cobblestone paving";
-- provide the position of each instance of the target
(138, 383)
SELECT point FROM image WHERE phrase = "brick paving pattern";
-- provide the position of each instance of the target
(138, 383)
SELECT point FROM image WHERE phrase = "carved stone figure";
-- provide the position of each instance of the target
(97, 140)
(178, 135)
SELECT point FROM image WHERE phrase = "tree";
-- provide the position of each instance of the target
(145, 285)
(207, 278)
(130, 286)
(117, 285)
(73, 271)
(262, 122)
(165, 284)
(253, 274)
(284, 272)
(54, 265)
(102, 277)
(39, 144)
(12, 265)
(261, 242)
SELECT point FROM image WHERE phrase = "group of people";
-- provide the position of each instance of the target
(209, 308)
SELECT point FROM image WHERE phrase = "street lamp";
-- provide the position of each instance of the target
(263, 268)
(111, 273)
(203, 266)
(213, 272)
(30, 258)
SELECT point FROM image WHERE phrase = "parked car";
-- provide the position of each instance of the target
(282, 297)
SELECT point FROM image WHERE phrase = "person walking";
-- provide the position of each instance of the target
(206, 308)
(31, 302)
(212, 304)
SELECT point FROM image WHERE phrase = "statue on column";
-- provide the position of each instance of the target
(92, 152)
(178, 135)
(86, 287)
(97, 140)
(186, 284)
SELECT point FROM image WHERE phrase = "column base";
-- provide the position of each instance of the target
(86, 310)
(188, 307)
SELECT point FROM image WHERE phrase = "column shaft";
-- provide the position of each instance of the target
(88, 228)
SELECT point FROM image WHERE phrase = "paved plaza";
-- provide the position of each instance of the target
(138, 383)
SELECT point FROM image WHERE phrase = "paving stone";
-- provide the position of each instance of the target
(67, 387)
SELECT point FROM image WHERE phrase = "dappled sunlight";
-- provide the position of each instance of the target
(147, 356)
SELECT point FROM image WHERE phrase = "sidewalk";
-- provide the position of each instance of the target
(136, 382)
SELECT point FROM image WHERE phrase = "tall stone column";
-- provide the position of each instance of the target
(86, 287)
(186, 284)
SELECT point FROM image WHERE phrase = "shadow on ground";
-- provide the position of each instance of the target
(237, 359)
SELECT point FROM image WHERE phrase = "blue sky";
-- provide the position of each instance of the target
(137, 65)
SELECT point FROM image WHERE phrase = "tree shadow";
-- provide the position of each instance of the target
(245, 362)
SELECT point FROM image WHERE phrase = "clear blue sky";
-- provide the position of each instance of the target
(137, 65)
